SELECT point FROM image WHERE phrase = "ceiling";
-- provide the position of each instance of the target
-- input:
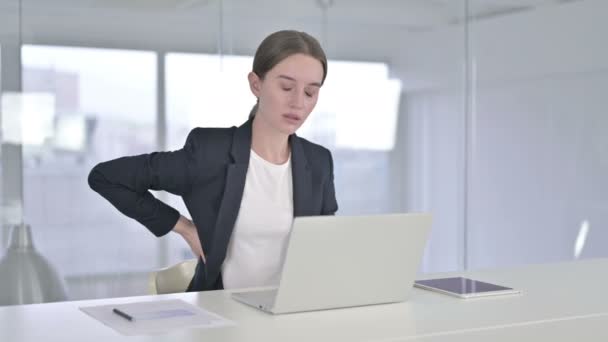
(423, 39)
(416, 15)
(236, 26)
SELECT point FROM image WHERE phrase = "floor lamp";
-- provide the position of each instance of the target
(26, 276)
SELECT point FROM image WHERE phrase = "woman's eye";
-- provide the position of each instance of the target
(286, 89)
(309, 94)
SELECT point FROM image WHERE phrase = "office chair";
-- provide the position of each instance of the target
(172, 279)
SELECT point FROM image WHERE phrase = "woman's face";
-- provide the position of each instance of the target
(288, 93)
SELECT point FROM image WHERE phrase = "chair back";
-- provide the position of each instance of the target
(172, 279)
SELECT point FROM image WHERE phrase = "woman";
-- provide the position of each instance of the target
(241, 185)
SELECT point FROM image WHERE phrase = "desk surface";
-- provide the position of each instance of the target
(558, 301)
(566, 330)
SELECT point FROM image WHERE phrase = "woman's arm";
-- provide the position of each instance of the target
(330, 205)
(125, 183)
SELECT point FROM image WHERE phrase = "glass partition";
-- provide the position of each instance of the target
(103, 91)
(538, 191)
(489, 115)
(99, 105)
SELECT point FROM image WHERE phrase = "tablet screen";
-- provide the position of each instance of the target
(461, 285)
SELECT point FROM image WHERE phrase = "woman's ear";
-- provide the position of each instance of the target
(255, 84)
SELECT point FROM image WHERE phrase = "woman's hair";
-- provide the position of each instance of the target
(280, 45)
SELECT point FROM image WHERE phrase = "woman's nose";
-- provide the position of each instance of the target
(297, 100)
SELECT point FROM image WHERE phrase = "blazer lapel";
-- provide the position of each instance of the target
(236, 175)
(302, 178)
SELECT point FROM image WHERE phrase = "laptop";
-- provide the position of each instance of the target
(346, 261)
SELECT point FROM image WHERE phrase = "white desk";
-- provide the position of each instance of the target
(559, 302)
(567, 330)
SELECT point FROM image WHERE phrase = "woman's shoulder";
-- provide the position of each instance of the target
(312, 147)
(204, 135)
(315, 153)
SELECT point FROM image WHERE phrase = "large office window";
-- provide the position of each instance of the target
(356, 118)
(91, 105)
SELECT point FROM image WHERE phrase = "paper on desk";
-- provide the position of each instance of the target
(155, 317)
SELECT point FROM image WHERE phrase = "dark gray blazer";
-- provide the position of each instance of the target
(209, 174)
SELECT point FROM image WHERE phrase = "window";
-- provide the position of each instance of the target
(212, 91)
(91, 105)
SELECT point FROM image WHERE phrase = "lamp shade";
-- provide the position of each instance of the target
(26, 277)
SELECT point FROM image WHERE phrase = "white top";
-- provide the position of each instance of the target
(257, 247)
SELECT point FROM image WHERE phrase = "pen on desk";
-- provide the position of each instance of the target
(123, 314)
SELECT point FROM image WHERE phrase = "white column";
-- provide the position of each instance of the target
(11, 154)
(161, 144)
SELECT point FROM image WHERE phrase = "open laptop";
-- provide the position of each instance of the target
(344, 261)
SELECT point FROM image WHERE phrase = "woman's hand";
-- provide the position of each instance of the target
(187, 230)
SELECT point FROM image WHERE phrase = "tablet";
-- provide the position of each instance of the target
(464, 287)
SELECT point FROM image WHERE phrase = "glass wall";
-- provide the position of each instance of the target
(102, 105)
(488, 114)
(538, 187)
(10, 82)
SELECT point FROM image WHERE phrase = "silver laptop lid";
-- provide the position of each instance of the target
(343, 261)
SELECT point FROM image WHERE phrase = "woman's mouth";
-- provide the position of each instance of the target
(292, 118)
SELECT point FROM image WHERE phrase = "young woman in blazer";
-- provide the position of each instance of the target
(241, 185)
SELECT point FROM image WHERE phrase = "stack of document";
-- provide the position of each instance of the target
(145, 318)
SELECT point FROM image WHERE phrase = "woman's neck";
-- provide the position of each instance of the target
(268, 143)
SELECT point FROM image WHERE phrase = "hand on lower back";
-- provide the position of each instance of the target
(188, 231)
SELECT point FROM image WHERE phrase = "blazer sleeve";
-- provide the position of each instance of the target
(330, 205)
(125, 183)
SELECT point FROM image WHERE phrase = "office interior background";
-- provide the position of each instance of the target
(490, 114)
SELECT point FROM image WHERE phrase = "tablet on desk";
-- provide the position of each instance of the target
(464, 287)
